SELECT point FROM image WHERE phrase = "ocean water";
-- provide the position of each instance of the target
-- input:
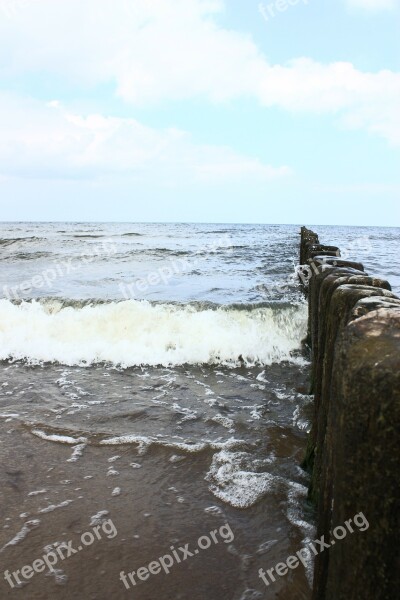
(156, 372)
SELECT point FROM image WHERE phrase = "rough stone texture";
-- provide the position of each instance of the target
(314, 249)
(308, 238)
(321, 252)
(336, 262)
(354, 445)
(363, 307)
(338, 313)
(312, 340)
(323, 287)
(364, 438)
(337, 299)
(319, 272)
(314, 312)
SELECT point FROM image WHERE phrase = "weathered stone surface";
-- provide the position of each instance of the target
(364, 425)
(312, 254)
(315, 248)
(366, 305)
(354, 445)
(313, 312)
(322, 289)
(336, 262)
(337, 300)
(328, 286)
(339, 311)
(308, 238)
(313, 336)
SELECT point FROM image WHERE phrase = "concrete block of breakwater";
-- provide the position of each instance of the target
(316, 322)
(309, 276)
(338, 300)
(366, 305)
(326, 284)
(336, 262)
(307, 239)
(321, 250)
(316, 281)
(329, 284)
(318, 253)
(336, 296)
(340, 294)
(324, 248)
(365, 454)
(321, 263)
(339, 313)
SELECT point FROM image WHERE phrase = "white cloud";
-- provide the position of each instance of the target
(46, 140)
(360, 100)
(372, 5)
(158, 51)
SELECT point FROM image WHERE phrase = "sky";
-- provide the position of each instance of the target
(200, 111)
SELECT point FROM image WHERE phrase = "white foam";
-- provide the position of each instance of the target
(188, 414)
(55, 437)
(114, 458)
(112, 472)
(77, 453)
(255, 414)
(21, 535)
(297, 494)
(54, 507)
(224, 421)
(233, 481)
(132, 333)
(300, 421)
(261, 377)
(99, 518)
(176, 458)
(144, 443)
(296, 498)
(37, 492)
(216, 511)
(211, 402)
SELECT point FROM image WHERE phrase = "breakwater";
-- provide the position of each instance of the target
(353, 451)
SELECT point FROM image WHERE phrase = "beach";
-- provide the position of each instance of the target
(154, 384)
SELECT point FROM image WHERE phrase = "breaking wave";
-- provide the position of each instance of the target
(131, 333)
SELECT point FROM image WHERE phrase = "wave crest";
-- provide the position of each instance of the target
(131, 333)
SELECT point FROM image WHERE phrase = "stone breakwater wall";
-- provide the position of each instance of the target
(353, 451)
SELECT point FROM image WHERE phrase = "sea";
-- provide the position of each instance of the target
(155, 375)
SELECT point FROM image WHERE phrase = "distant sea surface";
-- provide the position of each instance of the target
(175, 348)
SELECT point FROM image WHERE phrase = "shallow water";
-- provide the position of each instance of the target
(171, 454)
